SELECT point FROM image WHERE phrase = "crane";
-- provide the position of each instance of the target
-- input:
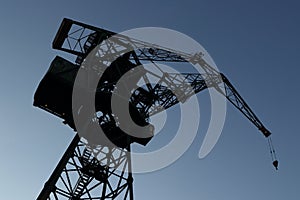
(89, 171)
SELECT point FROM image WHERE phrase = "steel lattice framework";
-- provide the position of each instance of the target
(92, 173)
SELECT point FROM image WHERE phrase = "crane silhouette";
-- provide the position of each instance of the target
(89, 167)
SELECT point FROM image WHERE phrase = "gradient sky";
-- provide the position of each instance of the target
(255, 43)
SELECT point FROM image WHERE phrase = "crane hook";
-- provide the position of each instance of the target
(275, 163)
(273, 154)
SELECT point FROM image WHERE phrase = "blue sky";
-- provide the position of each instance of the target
(255, 43)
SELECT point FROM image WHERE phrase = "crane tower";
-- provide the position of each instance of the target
(96, 169)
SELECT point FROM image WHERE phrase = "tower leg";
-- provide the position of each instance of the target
(90, 173)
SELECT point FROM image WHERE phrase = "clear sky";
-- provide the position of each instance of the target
(255, 43)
